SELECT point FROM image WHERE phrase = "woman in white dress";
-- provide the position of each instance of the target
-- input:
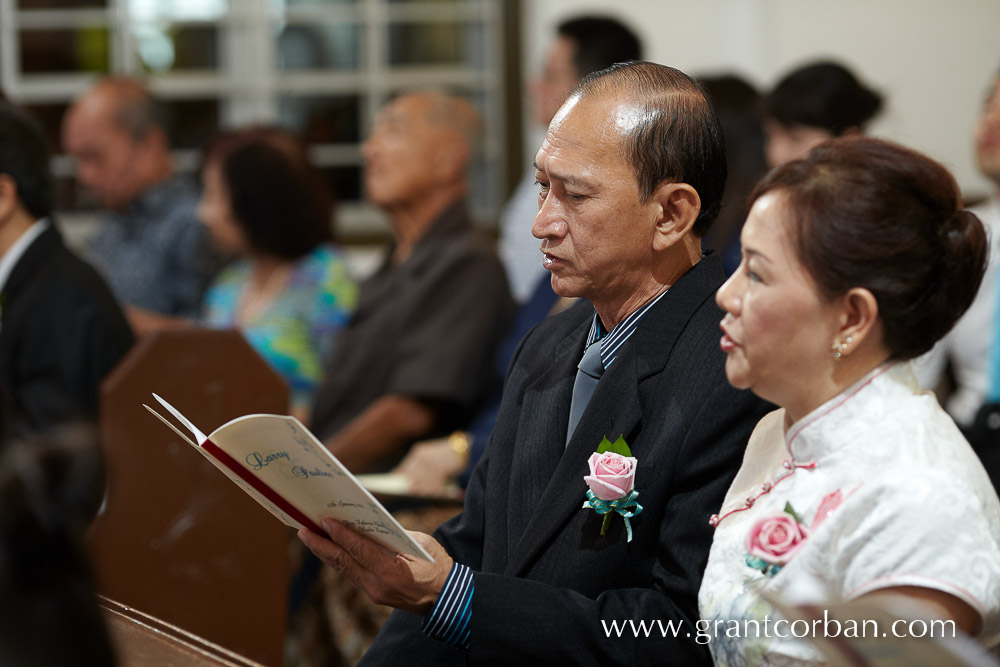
(856, 259)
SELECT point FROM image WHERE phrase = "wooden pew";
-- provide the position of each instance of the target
(141, 640)
(174, 537)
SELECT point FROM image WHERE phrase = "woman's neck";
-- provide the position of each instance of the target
(268, 279)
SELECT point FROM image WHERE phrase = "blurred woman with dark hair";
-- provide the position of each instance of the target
(856, 259)
(814, 103)
(290, 292)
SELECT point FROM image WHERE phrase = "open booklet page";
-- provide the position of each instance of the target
(280, 464)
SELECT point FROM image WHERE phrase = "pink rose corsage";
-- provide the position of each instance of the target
(612, 484)
(774, 540)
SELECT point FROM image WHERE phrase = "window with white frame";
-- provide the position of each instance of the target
(319, 67)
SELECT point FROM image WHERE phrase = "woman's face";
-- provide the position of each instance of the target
(791, 142)
(778, 330)
(216, 212)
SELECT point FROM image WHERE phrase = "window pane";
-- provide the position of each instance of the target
(319, 47)
(322, 120)
(293, 3)
(192, 122)
(166, 48)
(344, 182)
(68, 50)
(176, 10)
(61, 4)
(436, 44)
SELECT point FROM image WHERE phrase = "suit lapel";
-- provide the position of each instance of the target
(614, 409)
(541, 434)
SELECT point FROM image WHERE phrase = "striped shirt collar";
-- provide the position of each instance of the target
(612, 342)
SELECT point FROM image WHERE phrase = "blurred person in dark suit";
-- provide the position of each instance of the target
(61, 330)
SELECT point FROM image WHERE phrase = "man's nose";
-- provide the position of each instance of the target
(549, 220)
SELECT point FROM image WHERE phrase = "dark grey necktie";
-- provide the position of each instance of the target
(587, 374)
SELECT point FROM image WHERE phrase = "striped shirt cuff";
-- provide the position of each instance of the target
(449, 618)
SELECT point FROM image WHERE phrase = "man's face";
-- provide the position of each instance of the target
(988, 136)
(791, 142)
(550, 90)
(105, 154)
(597, 237)
(400, 153)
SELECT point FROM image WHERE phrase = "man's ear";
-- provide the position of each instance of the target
(452, 160)
(676, 207)
(9, 202)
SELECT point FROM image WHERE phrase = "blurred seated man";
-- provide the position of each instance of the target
(62, 330)
(415, 358)
(152, 249)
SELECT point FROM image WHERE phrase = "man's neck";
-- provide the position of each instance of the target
(411, 220)
(13, 228)
(675, 263)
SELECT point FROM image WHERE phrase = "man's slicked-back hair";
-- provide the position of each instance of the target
(675, 135)
(600, 42)
(24, 156)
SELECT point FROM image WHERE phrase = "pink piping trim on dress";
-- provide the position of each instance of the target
(813, 420)
(790, 464)
(765, 488)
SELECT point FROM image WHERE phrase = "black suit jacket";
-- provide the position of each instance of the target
(61, 332)
(544, 577)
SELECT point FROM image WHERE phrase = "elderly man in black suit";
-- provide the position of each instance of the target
(61, 330)
(631, 174)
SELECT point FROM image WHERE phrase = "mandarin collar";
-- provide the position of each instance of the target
(834, 426)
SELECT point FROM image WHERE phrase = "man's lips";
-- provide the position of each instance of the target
(549, 260)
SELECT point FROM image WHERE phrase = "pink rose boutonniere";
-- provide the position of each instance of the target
(612, 483)
(774, 540)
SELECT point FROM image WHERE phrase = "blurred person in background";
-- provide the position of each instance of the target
(151, 248)
(49, 489)
(414, 360)
(61, 329)
(736, 102)
(972, 348)
(289, 293)
(814, 103)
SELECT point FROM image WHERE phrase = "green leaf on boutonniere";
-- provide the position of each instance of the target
(788, 510)
(617, 447)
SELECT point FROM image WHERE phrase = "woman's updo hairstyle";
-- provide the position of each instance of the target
(824, 95)
(873, 214)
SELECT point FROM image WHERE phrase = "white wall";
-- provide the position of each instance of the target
(933, 60)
